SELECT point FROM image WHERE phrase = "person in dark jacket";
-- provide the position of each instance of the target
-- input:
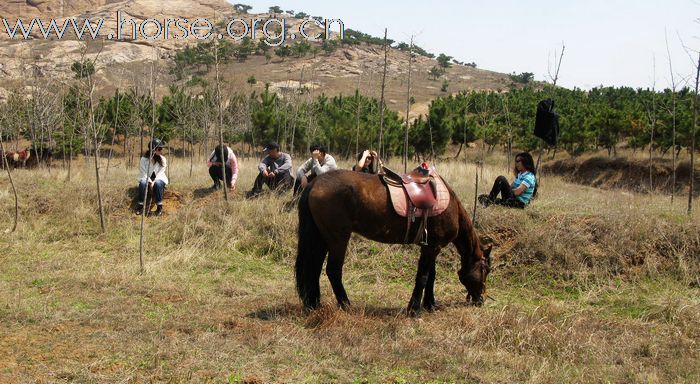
(274, 171)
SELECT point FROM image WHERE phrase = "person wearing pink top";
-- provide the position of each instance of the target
(215, 162)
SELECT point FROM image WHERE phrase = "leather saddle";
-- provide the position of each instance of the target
(417, 194)
(419, 186)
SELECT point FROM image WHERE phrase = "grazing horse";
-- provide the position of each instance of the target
(16, 159)
(39, 155)
(28, 157)
(338, 203)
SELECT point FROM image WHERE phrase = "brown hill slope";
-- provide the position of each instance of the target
(623, 173)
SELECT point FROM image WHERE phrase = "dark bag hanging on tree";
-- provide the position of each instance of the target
(547, 122)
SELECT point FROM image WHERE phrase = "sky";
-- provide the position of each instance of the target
(608, 42)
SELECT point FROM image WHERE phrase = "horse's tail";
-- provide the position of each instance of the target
(311, 251)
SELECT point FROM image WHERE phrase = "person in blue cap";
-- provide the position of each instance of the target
(152, 175)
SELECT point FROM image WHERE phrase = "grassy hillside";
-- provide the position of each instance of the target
(588, 286)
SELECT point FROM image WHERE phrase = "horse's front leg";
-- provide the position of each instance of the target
(429, 295)
(426, 263)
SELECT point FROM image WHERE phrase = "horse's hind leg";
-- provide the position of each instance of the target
(426, 263)
(334, 269)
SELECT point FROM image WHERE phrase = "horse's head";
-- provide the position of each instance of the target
(473, 275)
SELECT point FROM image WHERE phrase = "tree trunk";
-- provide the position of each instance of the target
(459, 150)
(476, 192)
(408, 107)
(97, 172)
(148, 171)
(692, 142)
(382, 155)
(220, 120)
(12, 183)
(114, 135)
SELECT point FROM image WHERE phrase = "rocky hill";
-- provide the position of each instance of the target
(48, 8)
(122, 64)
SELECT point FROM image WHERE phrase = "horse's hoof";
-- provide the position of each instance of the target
(413, 312)
(308, 309)
(475, 303)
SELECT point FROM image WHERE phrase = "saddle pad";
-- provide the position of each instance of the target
(399, 199)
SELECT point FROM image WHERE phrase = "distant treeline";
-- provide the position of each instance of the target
(590, 120)
(603, 117)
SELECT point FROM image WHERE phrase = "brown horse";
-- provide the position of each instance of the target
(16, 159)
(338, 203)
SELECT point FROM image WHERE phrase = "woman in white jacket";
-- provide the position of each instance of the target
(152, 175)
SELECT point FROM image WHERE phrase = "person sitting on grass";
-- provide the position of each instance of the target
(319, 163)
(152, 175)
(518, 193)
(274, 170)
(216, 160)
(368, 162)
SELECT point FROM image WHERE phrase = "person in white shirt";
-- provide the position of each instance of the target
(319, 163)
(215, 162)
(152, 175)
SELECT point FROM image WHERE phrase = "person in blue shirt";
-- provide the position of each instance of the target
(518, 193)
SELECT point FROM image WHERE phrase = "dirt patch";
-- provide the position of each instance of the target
(172, 200)
(620, 173)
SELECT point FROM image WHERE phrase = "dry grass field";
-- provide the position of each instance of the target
(588, 286)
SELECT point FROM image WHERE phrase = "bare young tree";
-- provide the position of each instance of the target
(77, 115)
(114, 130)
(408, 107)
(357, 115)
(484, 118)
(95, 130)
(476, 191)
(220, 119)
(673, 120)
(43, 115)
(9, 174)
(297, 104)
(554, 77)
(151, 152)
(509, 131)
(692, 142)
(651, 115)
(381, 100)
